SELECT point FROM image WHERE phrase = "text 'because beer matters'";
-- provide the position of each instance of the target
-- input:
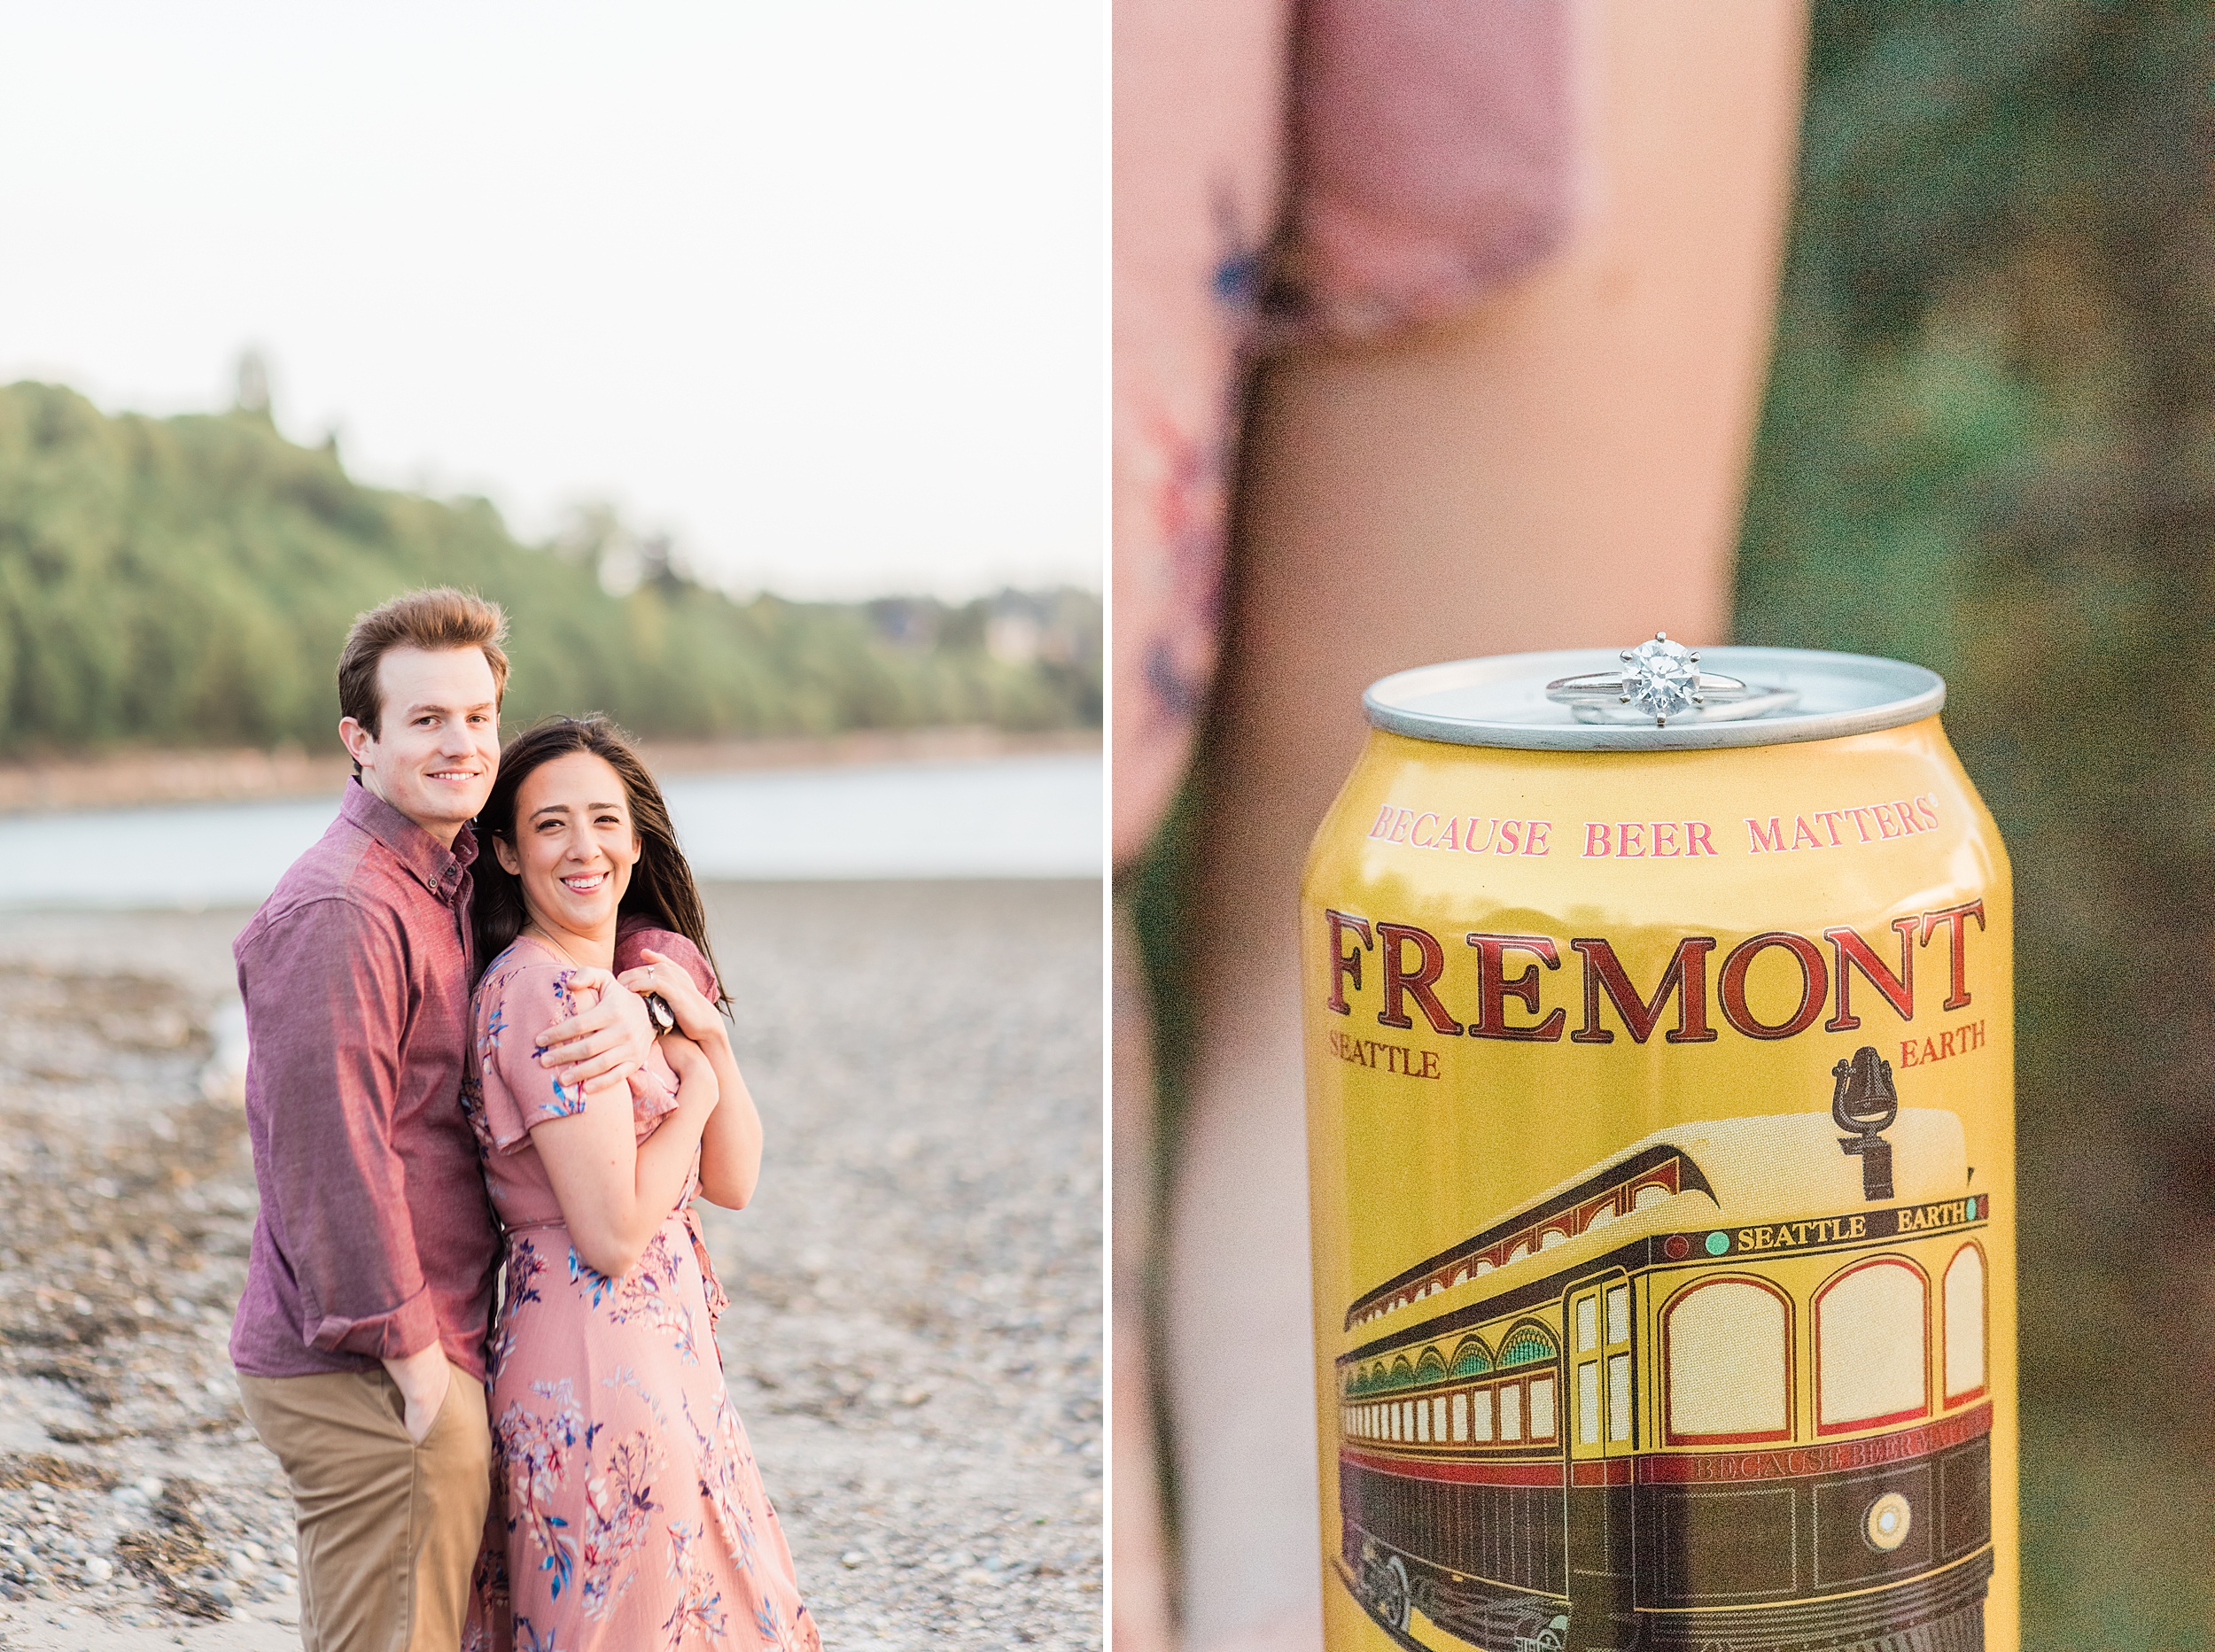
(1853, 825)
(1413, 977)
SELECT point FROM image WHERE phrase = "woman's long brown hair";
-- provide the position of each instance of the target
(661, 891)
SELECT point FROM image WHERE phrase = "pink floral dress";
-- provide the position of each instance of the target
(627, 1513)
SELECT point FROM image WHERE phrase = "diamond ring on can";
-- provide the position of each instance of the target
(1661, 679)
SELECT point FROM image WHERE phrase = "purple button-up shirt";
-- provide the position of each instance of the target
(375, 1239)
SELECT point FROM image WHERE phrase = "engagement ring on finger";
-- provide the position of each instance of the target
(1662, 680)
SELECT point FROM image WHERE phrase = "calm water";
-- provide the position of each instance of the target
(1007, 818)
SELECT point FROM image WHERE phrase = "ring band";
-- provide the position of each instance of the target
(1609, 685)
(1662, 680)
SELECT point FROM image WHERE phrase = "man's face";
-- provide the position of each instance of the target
(436, 746)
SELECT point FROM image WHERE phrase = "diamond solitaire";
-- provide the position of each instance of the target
(1661, 678)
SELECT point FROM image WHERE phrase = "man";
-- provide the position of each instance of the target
(359, 1336)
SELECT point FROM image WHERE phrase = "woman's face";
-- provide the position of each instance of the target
(574, 845)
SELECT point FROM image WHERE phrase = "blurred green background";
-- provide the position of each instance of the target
(188, 581)
(1989, 446)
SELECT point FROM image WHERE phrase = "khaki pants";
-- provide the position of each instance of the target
(388, 1528)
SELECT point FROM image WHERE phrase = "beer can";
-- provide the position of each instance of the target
(1658, 1036)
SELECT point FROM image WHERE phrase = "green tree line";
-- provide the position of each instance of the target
(188, 581)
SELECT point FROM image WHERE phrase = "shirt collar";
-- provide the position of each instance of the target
(442, 871)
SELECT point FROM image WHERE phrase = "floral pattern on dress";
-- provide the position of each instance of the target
(652, 1294)
(619, 1505)
(596, 1284)
(726, 1467)
(529, 1639)
(628, 1511)
(567, 1098)
(699, 1600)
(518, 1288)
(534, 1450)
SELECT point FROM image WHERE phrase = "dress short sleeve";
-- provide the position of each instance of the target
(1437, 155)
(517, 1000)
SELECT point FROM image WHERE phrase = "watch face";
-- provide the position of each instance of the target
(662, 1017)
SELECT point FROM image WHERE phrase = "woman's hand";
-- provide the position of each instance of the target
(730, 1142)
(698, 1018)
(697, 1089)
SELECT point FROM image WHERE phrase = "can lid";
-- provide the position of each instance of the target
(1657, 697)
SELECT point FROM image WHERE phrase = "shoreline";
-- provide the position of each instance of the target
(128, 779)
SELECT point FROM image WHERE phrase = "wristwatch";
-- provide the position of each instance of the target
(657, 1012)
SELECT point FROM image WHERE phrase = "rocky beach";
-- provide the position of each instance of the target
(915, 1335)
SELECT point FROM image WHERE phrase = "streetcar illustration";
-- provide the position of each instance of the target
(1726, 1389)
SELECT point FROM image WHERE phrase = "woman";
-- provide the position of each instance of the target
(627, 1512)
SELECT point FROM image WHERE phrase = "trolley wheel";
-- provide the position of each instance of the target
(1553, 1636)
(1389, 1593)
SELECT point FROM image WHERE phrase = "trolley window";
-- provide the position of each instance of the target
(1727, 1346)
(1872, 1346)
(1965, 1324)
(1618, 1396)
(1542, 1408)
(1527, 1345)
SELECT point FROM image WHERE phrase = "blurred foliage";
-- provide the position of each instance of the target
(187, 582)
(1989, 445)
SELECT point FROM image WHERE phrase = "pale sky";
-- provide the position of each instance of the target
(818, 286)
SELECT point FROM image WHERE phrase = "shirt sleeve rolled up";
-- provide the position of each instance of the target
(326, 992)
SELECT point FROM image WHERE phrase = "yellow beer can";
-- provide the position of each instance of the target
(1659, 1042)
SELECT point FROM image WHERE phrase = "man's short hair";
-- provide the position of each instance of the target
(433, 620)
